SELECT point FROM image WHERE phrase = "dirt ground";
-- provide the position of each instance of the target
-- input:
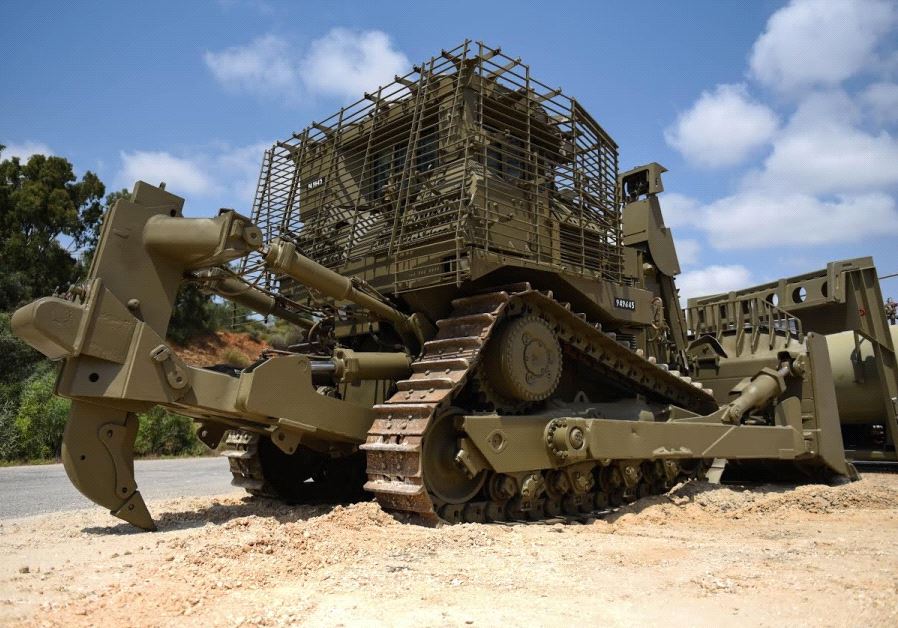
(700, 555)
(220, 347)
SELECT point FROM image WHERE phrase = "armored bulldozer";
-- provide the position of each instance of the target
(841, 302)
(490, 322)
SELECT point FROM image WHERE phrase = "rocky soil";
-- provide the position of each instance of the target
(221, 347)
(700, 555)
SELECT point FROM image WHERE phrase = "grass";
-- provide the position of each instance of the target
(27, 463)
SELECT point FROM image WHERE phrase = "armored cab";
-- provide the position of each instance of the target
(466, 172)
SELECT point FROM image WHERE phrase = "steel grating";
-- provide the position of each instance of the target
(467, 154)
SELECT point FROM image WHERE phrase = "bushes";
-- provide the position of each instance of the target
(233, 357)
(33, 431)
(32, 418)
(41, 416)
(17, 361)
(196, 314)
(163, 433)
(10, 442)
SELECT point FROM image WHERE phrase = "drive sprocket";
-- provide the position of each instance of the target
(431, 480)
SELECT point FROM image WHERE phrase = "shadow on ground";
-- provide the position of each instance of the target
(220, 512)
(717, 497)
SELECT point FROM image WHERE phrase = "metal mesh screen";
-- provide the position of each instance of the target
(465, 155)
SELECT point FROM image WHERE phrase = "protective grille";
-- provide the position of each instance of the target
(465, 155)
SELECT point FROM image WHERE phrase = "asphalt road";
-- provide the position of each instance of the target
(40, 489)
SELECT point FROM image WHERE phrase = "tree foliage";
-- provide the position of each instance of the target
(32, 429)
(42, 416)
(41, 204)
(9, 434)
(195, 314)
(49, 229)
(163, 433)
(17, 360)
(92, 237)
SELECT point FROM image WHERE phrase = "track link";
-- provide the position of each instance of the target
(309, 478)
(242, 452)
(394, 443)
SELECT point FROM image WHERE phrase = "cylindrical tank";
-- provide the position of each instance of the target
(859, 393)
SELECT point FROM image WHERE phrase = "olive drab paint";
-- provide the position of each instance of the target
(490, 323)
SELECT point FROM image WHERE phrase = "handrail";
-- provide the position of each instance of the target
(750, 316)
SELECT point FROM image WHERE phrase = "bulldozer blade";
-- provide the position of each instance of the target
(98, 456)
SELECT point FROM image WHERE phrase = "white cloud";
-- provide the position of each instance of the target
(687, 251)
(265, 65)
(887, 66)
(722, 128)
(712, 280)
(820, 42)
(220, 171)
(24, 150)
(820, 151)
(182, 176)
(342, 63)
(678, 209)
(832, 169)
(882, 100)
(753, 219)
(348, 63)
(239, 171)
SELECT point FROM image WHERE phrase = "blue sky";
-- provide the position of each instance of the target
(767, 114)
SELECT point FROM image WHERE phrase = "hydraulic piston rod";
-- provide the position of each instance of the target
(283, 257)
(353, 366)
(228, 286)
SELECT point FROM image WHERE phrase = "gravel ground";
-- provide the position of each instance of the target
(700, 555)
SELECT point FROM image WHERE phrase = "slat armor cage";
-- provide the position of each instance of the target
(467, 157)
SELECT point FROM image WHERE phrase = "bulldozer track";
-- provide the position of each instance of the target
(394, 446)
(242, 452)
(335, 480)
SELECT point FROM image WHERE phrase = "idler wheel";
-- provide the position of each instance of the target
(444, 478)
(523, 361)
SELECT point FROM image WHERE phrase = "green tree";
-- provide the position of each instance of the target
(47, 218)
(196, 314)
(164, 433)
(10, 442)
(41, 201)
(41, 416)
(92, 236)
(17, 360)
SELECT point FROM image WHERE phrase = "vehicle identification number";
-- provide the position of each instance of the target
(625, 304)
